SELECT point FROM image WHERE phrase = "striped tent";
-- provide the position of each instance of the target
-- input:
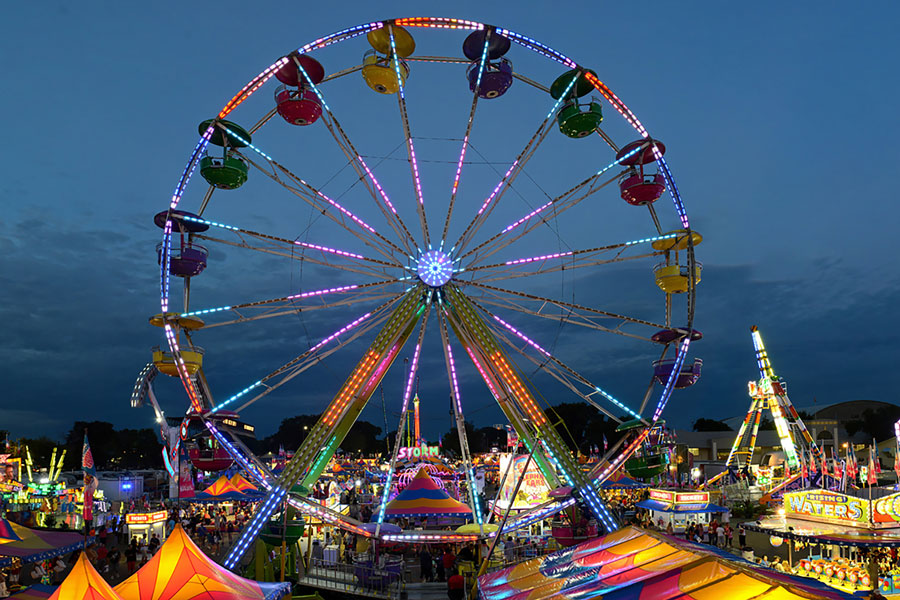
(181, 571)
(84, 583)
(632, 564)
(241, 484)
(223, 489)
(424, 498)
(30, 545)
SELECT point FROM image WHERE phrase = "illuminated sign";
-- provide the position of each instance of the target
(422, 451)
(674, 497)
(141, 518)
(829, 507)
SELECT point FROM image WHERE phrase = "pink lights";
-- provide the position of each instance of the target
(330, 250)
(377, 185)
(499, 185)
(341, 331)
(453, 379)
(521, 335)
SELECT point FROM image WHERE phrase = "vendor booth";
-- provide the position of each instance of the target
(845, 533)
(146, 524)
(680, 508)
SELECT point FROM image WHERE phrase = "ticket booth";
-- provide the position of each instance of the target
(146, 524)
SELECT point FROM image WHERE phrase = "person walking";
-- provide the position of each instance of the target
(742, 536)
(425, 564)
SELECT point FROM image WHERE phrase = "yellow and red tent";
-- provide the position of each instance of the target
(181, 571)
(241, 484)
(84, 583)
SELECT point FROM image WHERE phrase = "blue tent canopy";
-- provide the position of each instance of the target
(706, 507)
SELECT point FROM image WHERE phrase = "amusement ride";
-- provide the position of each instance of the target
(463, 278)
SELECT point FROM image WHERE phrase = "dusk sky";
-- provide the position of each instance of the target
(780, 123)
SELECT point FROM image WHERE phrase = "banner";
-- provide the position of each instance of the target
(827, 507)
(532, 491)
(185, 482)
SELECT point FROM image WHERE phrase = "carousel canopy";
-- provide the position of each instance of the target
(424, 498)
(181, 571)
(631, 563)
(30, 545)
(84, 583)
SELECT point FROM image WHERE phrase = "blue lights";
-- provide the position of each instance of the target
(435, 268)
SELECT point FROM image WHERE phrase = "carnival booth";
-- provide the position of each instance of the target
(424, 498)
(680, 508)
(846, 534)
(145, 524)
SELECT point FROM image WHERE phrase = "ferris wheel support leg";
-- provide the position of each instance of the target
(323, 440)
(463, 316)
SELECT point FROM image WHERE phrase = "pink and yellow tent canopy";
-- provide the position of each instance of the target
(631, 564)
(422, 498)
(84, 583)
(181, 571)
(225, 489)
(30, 545)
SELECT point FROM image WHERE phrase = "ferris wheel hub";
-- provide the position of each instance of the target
(435, 268)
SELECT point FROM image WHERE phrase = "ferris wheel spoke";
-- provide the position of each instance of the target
(299, 364)
(289, 308)
(569, 259)
(511, 173)
(465, 142)
(289, 300)
(407, 393)
(574, 313)
(359, 165)
(275, 249)
(557, 368)
(322, 203)
(555, 207)
(460, 423)
(285, 243)
(410, 146)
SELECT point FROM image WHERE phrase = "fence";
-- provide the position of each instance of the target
(362, 578)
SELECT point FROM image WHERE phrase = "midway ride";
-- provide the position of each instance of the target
(462, 287)
(769, 395)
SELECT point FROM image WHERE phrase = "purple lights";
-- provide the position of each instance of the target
(435, 268)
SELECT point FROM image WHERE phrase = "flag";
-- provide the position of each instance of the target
(812, 463)
(804, 472)
(90, 481)
(824, 463)
(87, 458)
(787, 471)
(897, 464)
(838, 470)
(877, 460)
(605, 443)
(871, 479)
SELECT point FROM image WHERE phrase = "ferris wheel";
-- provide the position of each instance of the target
(449, 236)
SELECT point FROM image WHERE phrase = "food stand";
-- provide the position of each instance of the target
(680, 507)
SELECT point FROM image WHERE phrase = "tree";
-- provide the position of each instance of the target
(877, 424)
(703, 424)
